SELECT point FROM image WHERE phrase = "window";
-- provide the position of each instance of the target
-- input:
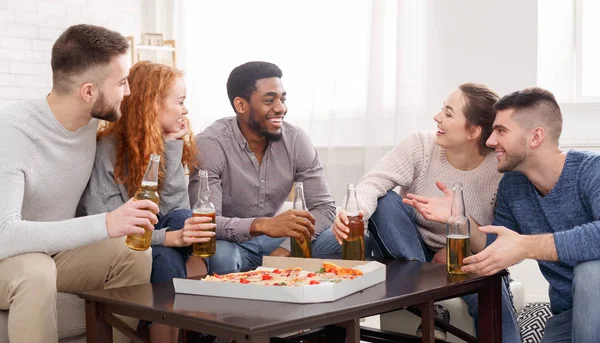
(587, 51)
(569, 49)
(321, 46)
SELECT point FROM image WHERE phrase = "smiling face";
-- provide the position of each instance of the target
(172, 108)
(451, 122)
(509, 141)
(267, 108)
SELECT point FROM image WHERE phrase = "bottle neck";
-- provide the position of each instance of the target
(351, 204)
(204, 193)
(458, 205)
(299, 201)
(151, 175)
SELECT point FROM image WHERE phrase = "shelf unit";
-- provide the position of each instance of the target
(137, 49)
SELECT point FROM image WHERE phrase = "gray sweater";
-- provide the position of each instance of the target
(44, 169)
(103, 194)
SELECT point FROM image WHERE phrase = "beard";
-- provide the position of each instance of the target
(513, 160)
(102, 110)
(261, 129)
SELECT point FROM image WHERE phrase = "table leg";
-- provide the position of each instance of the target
(427, 322)
(490, 311)
(97, 330)
(352, 330)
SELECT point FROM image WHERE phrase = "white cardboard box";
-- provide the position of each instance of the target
(374, 273)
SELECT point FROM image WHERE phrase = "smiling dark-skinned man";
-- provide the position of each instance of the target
(252, 160)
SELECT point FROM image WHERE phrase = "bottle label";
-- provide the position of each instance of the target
(149, 184)
(204, 211)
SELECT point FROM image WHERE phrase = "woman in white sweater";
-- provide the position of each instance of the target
(424, 164)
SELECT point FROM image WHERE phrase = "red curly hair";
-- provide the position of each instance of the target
(138, 132)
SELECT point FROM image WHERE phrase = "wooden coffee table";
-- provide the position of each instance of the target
(407, 284)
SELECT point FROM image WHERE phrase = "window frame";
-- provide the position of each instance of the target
(578, 60)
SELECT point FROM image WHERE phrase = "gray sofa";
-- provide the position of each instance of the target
(71, 319)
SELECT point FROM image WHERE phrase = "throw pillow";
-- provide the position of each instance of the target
(532, 320)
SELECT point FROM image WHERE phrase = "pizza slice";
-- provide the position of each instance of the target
(329, 267)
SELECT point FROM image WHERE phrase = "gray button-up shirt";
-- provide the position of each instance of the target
(242, 189)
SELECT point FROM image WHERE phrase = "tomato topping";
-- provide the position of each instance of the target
(311, 274)
(314, 282)
(277, 271)
(244, 281)
(267, 277)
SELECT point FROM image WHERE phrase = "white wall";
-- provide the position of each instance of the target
(472, 41)
(158, 17)
(28, 28)
(556, 42)
(490, 42)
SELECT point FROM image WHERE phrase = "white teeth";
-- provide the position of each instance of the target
(275, 120)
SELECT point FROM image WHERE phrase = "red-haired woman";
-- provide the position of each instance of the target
(152, 121)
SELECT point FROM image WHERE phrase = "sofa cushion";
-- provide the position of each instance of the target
(71, 317)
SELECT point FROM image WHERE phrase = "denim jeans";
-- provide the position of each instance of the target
(394, 232)
(579, 324)
(167, 262)
(235, 257)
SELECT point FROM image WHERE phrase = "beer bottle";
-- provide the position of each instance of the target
(204, 208)
(148, 190)
(458, 233)
(300, 249)
(353, 247)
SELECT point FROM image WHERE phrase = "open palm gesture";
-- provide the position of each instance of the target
(431, 208)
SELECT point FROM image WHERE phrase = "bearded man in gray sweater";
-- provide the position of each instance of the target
(47, 152)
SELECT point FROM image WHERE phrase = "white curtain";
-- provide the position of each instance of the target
(360, 74)
(354, 70)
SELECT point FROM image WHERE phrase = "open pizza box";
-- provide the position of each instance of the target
(374, 273)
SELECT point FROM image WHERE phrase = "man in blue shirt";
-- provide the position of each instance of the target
(548, 209)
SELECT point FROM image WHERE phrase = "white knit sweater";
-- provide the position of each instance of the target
(414, 166)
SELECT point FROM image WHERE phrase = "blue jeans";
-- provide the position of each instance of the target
(167, 262)
(394, 232)
(579, 324)
(235, 257)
